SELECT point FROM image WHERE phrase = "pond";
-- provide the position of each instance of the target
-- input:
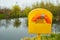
(16, 29)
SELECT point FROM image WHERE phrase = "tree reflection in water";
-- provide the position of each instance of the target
(17, 23)
(7, 22)
(0, 23)
(27, 23)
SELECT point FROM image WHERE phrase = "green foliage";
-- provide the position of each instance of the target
(15, 11)
(37, 5)
(58, 37)
(2, 16)
(51, 37)
(26, 11)
(17, 23)
(16, 8)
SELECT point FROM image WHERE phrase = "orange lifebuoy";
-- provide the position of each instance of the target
(47, 19)
(35, 18)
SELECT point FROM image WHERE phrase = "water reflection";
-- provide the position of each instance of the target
(4, 23)
(56, 28)
(15, 29)
(7, 23)
(26, 22)
(0, 23)
(17, 23)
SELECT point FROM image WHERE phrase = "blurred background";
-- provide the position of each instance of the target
(14, 14)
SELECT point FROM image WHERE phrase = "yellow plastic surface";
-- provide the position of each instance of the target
(39, 28)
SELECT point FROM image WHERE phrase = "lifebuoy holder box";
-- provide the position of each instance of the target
(36, 24)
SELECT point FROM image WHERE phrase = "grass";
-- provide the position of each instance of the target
(51, 37)
(2, 16)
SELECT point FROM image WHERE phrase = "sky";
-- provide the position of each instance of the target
(21, 3)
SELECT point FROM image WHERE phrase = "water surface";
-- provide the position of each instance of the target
(16, 29)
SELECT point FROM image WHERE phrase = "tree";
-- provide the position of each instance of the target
(26, 11)
(15, 11)
(37, 5)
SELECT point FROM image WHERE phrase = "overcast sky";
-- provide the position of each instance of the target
(21, 3)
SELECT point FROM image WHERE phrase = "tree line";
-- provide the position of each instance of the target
(16, 11)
